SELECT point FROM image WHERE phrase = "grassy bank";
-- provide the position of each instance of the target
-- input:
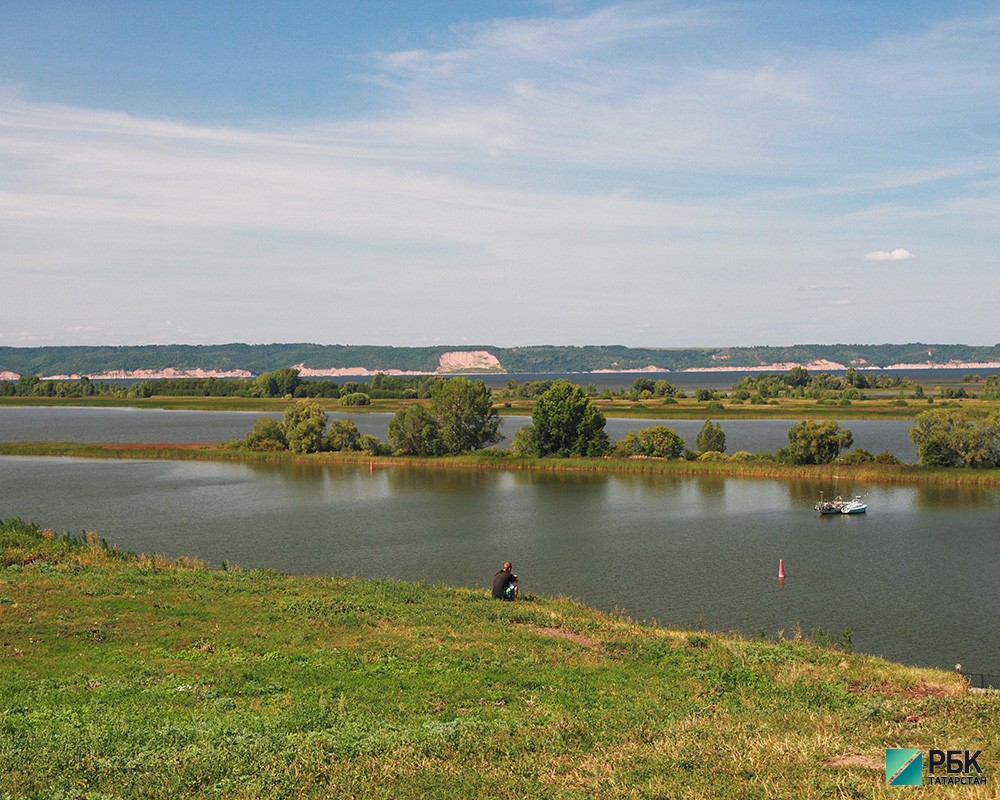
(874, 408)
(127, 676)
(870, 473)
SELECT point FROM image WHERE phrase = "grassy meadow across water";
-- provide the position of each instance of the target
(876, 407)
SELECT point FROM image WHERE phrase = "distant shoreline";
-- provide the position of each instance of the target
(365, 372)
(238, 360)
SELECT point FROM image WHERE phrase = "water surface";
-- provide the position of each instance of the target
(914, 580)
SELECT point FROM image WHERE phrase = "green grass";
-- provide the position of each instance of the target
(877, 407)
(127, 676)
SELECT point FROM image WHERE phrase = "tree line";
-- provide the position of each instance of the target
(565, 422)
(282, 383)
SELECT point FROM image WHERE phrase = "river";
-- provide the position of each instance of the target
(914, 580)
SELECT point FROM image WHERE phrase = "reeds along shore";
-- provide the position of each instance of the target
(885, 474)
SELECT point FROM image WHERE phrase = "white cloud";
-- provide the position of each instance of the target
(899, 254)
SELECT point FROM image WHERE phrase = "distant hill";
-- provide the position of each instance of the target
(361, 359)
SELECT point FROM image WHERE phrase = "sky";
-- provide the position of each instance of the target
(411, 173)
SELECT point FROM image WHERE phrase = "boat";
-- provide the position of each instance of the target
(856, 505)
(834, 506)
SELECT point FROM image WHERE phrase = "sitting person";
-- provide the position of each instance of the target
(505, 583)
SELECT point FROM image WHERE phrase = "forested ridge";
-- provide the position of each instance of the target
(90, 360)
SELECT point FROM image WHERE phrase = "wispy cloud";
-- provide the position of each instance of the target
(561, 90)
(622, 158)
(899, 254)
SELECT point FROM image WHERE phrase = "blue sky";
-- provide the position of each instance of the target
(414, 173)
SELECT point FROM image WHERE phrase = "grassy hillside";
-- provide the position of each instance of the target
(126, 676)
(542, 358)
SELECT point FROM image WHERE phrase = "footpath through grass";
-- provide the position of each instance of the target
(130, 677)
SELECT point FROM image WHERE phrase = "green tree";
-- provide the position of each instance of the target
(710, 438)
(643, 386)
(414, 431)
(27, 384)
(304, 426)
(523, 443)
(797, 376)
(342, 435)
(567, 423)
(812, 442)
(659, 441)
(465, 415)
(280, 383)
(664, 389)
(856, 379)
(951, 438)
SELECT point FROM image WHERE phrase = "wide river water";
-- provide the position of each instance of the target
(915, 579)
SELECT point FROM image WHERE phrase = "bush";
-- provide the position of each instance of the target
(268, 435)
(744, 455)
(523, 443)
(858, 456)
(356, 399)
(659, 441)
(372, 445)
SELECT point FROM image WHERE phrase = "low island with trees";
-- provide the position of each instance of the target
(459, 418)
(439, 417)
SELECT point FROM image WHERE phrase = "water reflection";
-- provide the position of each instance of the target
(528, 477)
(442, 481)
(711, 487)
(938, 496)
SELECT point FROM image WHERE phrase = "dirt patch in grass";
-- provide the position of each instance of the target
(855, 760)
(921, 690)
